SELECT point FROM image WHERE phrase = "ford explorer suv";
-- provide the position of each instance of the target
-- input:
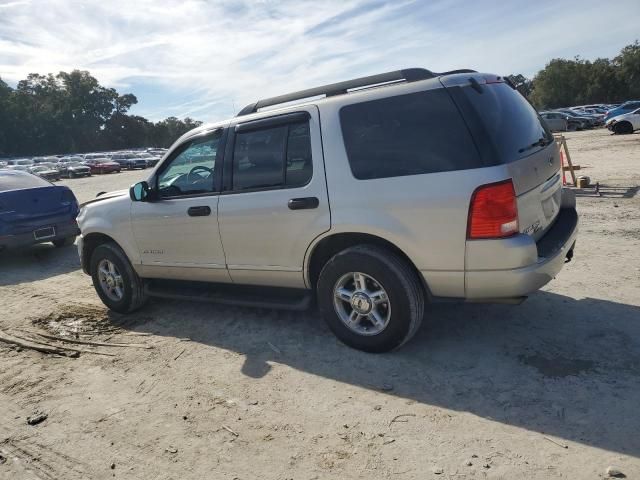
(372, 197)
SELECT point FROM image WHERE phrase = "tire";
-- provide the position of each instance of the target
(131, 286)
(623, 128)
(572, 127)
(64, 242)
(383, 271)
(71, 175)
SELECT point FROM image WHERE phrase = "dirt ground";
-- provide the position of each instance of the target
(546, 389)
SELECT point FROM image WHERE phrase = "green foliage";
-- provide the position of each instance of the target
(563, 83)
(72, 112)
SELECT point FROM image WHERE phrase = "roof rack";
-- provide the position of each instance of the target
(340, 88)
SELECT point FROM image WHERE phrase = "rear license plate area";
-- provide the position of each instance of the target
(43, 233)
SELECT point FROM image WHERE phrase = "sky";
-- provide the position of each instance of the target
(207, 59)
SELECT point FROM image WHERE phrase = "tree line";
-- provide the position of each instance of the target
(72, 112)
(565, 83)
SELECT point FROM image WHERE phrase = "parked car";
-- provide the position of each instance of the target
(129, 160)
(585, 120)
(103, 165)
(373, 201)
(157, 151)
(626, 123)
(151, 160)
(73, 169)
(26, 162)
(33, 210)
(626, 107)
(561, 122)
(45, 171)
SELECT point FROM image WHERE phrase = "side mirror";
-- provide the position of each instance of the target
(139, 192)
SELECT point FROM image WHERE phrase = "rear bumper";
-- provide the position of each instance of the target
(552, 250)
(62, 230)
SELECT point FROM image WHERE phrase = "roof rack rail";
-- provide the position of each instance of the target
(453, 72)
(340, 88)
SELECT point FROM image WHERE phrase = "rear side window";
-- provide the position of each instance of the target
(406, 135)
(272, 157)
(502, 119)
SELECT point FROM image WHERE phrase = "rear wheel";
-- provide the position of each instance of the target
(623, 128)
(114, 279)
(370, 298)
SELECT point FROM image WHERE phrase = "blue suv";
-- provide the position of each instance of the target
(626, 107)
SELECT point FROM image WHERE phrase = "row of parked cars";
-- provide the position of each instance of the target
(81, 165)
(619, 118)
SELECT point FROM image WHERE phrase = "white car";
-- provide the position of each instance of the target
(626, 123)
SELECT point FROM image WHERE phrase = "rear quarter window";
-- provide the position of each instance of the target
(409, 134)
(503, 122)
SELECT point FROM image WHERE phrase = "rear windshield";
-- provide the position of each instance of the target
(407, 135)
(19, 180)
(503, 120)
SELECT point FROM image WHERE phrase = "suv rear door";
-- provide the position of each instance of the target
(275, 199)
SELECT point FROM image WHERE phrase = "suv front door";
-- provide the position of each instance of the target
(177, 231)
(274, 202)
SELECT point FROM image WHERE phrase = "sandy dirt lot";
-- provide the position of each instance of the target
(546, 389)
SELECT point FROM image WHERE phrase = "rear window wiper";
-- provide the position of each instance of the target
(541, 142)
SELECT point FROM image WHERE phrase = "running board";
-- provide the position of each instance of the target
(239, 295)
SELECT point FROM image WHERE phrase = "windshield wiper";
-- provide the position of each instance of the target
(541, 142)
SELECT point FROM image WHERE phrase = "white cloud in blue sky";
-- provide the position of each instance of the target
(206, 59)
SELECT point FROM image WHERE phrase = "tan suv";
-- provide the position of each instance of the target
(384, 194)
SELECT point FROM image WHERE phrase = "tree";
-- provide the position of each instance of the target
(628, 67)
(72, 112)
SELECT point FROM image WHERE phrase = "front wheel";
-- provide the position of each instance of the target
(370, 298)
(114, 279)
(623, 128)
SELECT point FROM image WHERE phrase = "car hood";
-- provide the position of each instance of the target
(106, 195)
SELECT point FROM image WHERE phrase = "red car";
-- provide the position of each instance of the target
(103, 165)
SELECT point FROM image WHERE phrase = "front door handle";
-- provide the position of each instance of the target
(201, 211)
(303, 203)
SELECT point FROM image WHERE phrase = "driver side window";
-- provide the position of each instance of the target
(191, 171)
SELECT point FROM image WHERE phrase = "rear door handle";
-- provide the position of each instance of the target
(201, 211)
(303, 203)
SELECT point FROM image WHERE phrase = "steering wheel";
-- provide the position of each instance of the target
(193, 176)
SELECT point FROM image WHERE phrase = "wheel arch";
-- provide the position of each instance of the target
(325, 248)
(90, 242)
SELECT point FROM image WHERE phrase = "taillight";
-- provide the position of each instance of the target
(493, 212)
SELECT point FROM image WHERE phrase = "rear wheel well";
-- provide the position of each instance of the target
(89, 244)
(334, 244)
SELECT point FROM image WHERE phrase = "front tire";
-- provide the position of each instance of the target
(114, 279)
(371, 299)
(623, 128)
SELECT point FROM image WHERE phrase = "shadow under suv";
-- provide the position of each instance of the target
(385, 194)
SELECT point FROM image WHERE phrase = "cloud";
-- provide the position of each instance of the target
(207, 59)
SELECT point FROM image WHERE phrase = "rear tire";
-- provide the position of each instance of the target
(623, 128)
(346, 307)
(127, 289)
(64, 242)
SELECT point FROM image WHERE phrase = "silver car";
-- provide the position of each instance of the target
(387, 193)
